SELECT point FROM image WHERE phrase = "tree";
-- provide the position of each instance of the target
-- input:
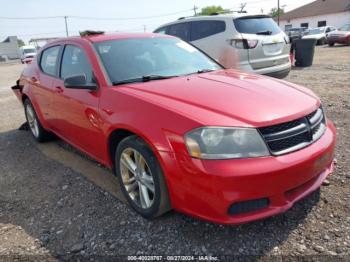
(274, 12)
(20, 42)
(209, 10)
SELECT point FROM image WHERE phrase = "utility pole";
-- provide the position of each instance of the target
(242, 7)
(278, 12)
(144, 28)
(65, 21)
(195, 10)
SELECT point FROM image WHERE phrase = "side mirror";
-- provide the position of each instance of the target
(79, 82)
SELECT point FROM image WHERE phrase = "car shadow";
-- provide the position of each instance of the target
(70, 216)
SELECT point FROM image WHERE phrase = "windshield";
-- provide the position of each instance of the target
(144, 57)
(315, 31)
(256, 25)
(345, 27)
(29, 50)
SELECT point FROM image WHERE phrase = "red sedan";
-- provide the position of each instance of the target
(179, 131)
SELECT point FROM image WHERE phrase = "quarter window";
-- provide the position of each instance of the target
(202, 29)
(75, 62)
(48, 62)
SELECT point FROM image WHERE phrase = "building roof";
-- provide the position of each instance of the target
(318, 7)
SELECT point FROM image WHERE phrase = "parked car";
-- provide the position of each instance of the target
(180, 131)
(295, 33)
(319, 33)
(340, 36)
(27, 53)
(253, 43)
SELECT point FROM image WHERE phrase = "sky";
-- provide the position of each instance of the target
(109, 15)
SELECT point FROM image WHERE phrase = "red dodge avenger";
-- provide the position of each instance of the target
(180, 131)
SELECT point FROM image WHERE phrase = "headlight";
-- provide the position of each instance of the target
(225, 143)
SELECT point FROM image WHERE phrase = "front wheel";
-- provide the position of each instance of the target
(141, 178)
(35, 127)
(322, 41)
(330, 44)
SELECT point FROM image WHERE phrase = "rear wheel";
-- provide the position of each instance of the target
(141, 178)
(35, 127)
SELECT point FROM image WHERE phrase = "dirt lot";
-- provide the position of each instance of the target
(54, 202)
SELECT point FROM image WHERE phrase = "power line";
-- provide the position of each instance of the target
(93, 17)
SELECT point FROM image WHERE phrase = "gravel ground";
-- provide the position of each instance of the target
(56, 203)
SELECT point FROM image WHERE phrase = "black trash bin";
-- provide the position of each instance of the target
(304, 52)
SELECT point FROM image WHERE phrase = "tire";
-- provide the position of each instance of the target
(322, 41)
(330, 44)
(135, 180)
(34, 125)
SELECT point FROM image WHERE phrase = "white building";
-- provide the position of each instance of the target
(318, 13)
(9, 48)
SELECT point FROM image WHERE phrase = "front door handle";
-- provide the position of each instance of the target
(59, 89)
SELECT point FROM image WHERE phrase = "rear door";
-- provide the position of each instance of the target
(43, 81)
(209, 36)
(265, 41)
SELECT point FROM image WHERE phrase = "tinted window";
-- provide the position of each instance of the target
(181, 30)
(254, 25)
(201, 29)
(48, 62)
(161, 30)
(321, 23)
(135, 58)
(75, 62)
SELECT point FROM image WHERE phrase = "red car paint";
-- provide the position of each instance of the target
(162, 112)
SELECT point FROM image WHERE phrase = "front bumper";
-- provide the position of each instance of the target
(207, 188)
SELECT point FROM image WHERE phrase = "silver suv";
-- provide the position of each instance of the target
(252, 43)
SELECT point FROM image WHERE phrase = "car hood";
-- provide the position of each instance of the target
(29, 54)
(339, 33)
(228, 98)
(315, 36)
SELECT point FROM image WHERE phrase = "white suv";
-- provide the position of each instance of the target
(252, 43)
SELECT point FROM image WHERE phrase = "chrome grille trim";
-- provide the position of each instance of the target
(296, 134)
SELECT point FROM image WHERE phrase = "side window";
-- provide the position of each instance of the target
(75, 62)
(161, 30)
(181, 30)
(201, 29)
(304, 25)
(48, 61)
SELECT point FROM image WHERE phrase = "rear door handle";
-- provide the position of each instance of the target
(59, 89)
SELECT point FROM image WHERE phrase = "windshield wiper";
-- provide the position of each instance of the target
(144, 78)
(201, 71)
(266, 32)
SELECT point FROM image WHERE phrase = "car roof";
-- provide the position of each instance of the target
(107, 37)
(212, 17)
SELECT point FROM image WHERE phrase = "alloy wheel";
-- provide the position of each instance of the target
(32, 121)
(137, 178)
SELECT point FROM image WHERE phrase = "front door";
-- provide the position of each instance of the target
(76, 110)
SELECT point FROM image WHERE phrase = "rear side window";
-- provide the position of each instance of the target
(256, 25)
(161, 30)
(181, 30)
(48, 62)
(202, 29)
(75, 62)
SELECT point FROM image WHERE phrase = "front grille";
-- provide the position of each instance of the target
(293, 135)
(248, 206)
